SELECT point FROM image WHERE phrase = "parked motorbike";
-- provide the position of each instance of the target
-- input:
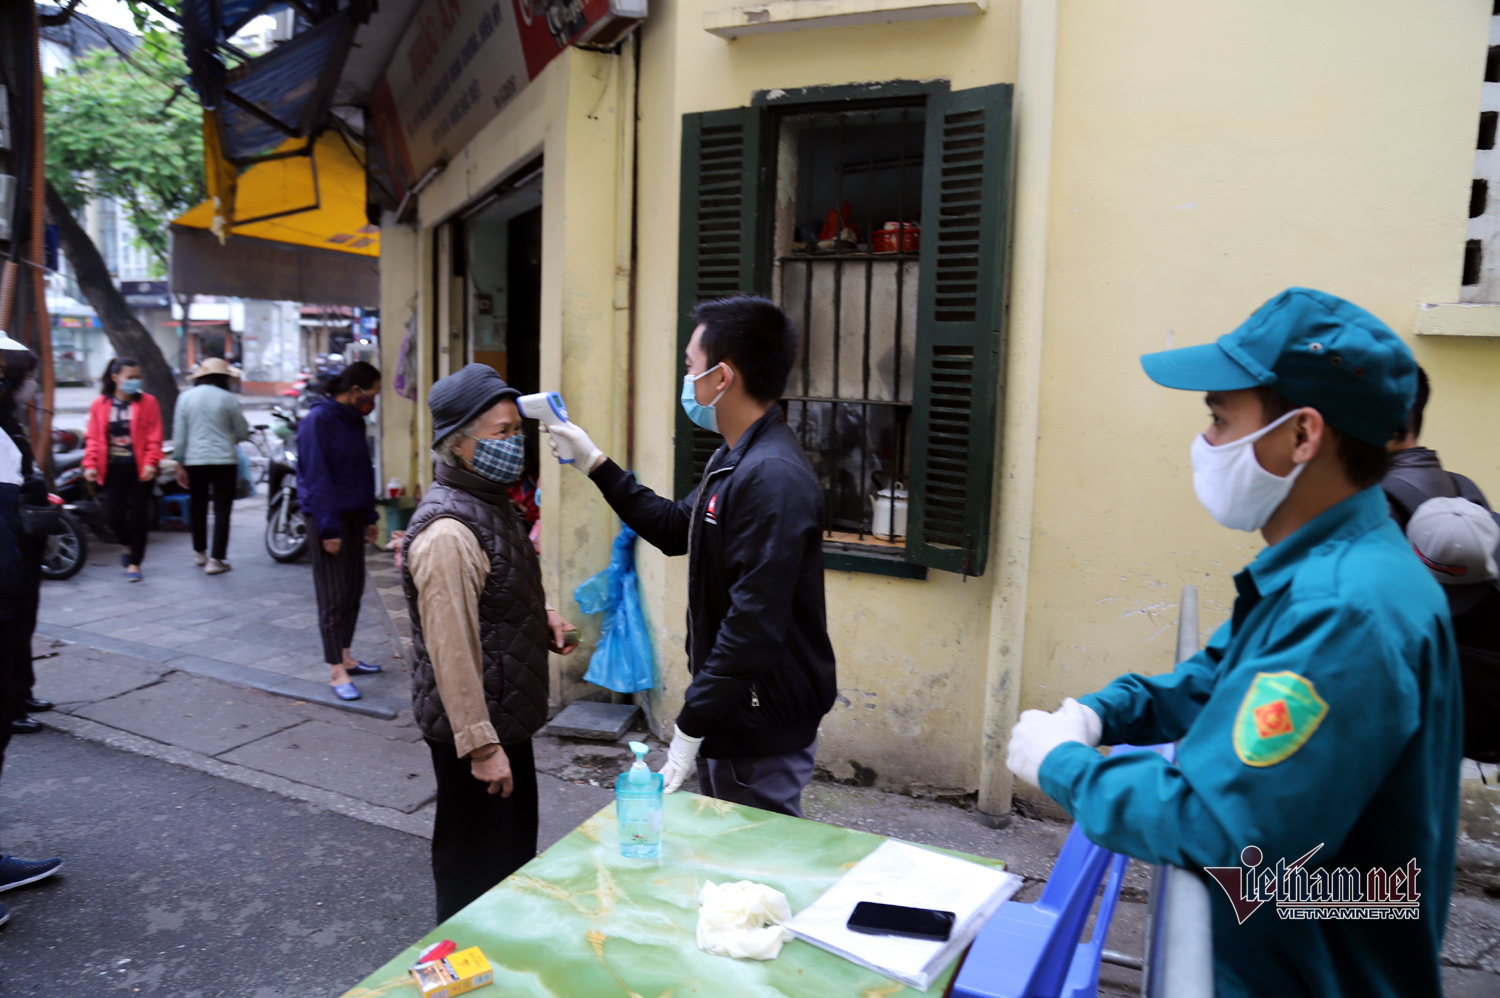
(66, 551)
(64, 440)
(286, 534)
(295, 389)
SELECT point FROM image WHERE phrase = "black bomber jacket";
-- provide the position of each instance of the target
(758, 650)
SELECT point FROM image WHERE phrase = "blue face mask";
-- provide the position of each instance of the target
(500, 460)
(702, 415)
(131, 386)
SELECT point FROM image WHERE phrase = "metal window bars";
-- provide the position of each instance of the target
(850, 395)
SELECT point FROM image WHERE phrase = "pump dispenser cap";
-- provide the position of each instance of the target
(640, 772)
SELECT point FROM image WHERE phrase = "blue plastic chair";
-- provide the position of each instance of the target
(1033, 950)
(1083, 973)
(174, 510)
(1026, 950)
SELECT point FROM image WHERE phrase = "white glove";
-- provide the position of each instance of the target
(1037, 733)
(585, 455)
(682, 758)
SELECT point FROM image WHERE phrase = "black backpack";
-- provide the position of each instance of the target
(1476, 628)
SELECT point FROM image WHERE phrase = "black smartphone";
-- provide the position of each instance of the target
(873, 918)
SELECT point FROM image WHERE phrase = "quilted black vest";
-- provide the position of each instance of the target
(513, 635)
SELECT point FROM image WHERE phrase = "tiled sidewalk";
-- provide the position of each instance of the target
(253, 626)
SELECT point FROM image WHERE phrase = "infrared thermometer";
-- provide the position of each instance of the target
(549, 408)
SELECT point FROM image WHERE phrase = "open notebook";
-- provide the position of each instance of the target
(898, 873)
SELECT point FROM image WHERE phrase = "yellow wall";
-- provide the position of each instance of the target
(1202, 158)
(398, 301)
(1205, 157)
(911, 655)
(570, 115)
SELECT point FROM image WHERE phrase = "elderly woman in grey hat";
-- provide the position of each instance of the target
(481, 630)
(206, 428)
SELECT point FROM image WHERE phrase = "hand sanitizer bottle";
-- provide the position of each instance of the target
(638, 808)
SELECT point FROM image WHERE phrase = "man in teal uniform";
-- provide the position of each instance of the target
(1324, 716)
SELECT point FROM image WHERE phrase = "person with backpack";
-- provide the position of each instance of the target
(1446, 518)
(15, 463)
(1320, 727)
(1416, 474)
(17, 389)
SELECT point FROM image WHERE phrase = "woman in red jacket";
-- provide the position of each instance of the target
(121, 452)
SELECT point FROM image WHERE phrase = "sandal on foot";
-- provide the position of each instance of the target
(346, 691)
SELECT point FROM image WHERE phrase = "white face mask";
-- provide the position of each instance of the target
(1232, 485)
(26, 392)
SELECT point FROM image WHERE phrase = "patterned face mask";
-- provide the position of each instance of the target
(500, 460)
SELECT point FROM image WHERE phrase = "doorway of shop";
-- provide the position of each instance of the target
(504, 235)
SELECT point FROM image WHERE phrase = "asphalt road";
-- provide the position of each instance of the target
(182, 885)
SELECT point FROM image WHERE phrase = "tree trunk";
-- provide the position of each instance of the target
(126, 334)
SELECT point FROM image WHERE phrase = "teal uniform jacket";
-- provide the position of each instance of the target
(1326, 711)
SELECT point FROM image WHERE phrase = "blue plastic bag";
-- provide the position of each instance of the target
(244, 482)
(623, 660)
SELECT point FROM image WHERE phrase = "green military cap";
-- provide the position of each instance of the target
(1315, 350)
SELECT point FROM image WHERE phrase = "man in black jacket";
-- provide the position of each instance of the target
(758, 649)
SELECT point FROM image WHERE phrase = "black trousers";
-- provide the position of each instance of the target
(127, 501)
(339, 580)
(10, 598)
(218, 481)
(480, 838)
(10, 707)
(23, 622)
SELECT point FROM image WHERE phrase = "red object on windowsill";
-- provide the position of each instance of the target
(884, 239)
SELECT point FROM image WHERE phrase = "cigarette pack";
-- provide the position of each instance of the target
(457, 974)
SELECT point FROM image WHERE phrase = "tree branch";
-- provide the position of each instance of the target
(126, 334)
(63, 16)
(125, 56)
(176, 92)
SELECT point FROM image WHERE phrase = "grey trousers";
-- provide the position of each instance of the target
(769, 782)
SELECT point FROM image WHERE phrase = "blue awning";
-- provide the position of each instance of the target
(288, 84)
(283, 94)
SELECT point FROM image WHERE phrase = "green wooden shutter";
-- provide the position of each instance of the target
(724, 239)
(960, 314)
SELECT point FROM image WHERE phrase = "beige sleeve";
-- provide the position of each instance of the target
(449, 568)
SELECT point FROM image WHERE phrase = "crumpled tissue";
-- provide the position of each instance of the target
(742, 920)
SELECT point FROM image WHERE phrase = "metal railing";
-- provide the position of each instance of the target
(1178, 957)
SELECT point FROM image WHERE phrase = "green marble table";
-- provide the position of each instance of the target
(581, 921)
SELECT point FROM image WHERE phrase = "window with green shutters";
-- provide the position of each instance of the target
(723, 239)
(880, 226)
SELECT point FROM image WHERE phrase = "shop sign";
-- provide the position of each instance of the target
(145, 294)
(460, 63)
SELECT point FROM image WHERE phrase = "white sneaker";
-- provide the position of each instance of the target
(200, 558)
(216, 567)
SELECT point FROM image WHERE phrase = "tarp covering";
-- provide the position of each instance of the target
(235, 14)
(316, 200)
(285, 84)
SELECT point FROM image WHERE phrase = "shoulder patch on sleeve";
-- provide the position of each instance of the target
(1280, 712)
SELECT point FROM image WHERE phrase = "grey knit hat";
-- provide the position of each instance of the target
(457, 399)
